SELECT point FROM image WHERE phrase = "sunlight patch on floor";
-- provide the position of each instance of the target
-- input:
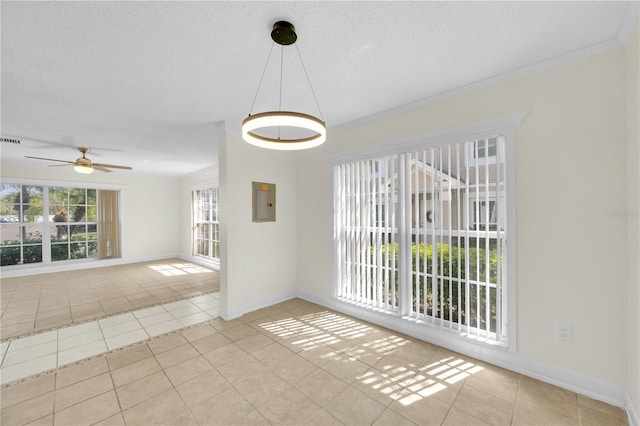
(349, 341)
(179, 269)
(408, 382)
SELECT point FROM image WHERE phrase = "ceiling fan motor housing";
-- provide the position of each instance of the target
(83, 161)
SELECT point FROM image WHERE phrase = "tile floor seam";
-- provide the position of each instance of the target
(453, 403)
(81, 402)
(45, 330)
(182, 398)
(55, 388)
(137, 378)
(515, 401)
(384, 408)
(151, 397)
(57, 350)
(398, 409)
(103, 340)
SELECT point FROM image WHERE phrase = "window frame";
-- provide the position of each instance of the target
(46, 262)
(504, 126)
(69, 223)
(213, 225)
(20, 225)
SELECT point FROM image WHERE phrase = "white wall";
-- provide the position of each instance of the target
(572, 259)
(257, 259)
(148, 207)
(633, 218)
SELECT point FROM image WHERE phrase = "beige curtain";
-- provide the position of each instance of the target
(108, 224)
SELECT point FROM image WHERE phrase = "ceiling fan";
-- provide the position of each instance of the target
(83, 164)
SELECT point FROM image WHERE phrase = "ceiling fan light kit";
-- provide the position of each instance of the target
(83, 164)
(83, 169)
(284, 34)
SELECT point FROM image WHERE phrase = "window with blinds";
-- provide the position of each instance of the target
(423, 234)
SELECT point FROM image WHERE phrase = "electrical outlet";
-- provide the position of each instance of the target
(565, 333)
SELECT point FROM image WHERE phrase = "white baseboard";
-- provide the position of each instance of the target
(632, 412)
(201, 261)
(576, 382)
(236, 312)
(63, 266)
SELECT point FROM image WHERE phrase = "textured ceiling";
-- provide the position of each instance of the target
(143, 83)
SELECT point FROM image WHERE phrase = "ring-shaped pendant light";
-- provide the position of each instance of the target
(284, 34)
(284, 119)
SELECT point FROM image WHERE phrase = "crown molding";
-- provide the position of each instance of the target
(492, 81)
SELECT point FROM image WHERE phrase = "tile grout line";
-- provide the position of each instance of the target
(113, 383)
(58, 349)
(45, 330)
(175, 387)
(515, 401)
(104, 339)
(331, 413)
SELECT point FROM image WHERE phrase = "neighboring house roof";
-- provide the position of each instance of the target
(425, 178)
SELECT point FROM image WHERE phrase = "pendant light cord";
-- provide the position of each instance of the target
(281, 70)
(306, 74)
(309, 81)
(262, 78)
(280, 96)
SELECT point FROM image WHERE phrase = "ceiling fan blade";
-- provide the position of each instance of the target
(62, 165)
(50, 159)
(102, 169)
(112, 166)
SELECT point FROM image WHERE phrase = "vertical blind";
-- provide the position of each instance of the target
(422, 234)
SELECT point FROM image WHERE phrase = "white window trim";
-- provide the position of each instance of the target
(10, 270)
(206, 261)
(504, 125)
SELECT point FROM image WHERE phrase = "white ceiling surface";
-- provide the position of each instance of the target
(143, 83)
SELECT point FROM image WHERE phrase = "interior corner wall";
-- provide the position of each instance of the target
(571, 182)
(149, 216)
(633, 219)
(257, 264)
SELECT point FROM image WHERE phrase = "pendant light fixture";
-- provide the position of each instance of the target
(254, 126)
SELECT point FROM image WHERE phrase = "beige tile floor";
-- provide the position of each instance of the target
(41, 302)
(28, 356)
(293, 363)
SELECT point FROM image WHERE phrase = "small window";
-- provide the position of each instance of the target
(206, 224)
(484, 215)
(482, 151)
(22, 224)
